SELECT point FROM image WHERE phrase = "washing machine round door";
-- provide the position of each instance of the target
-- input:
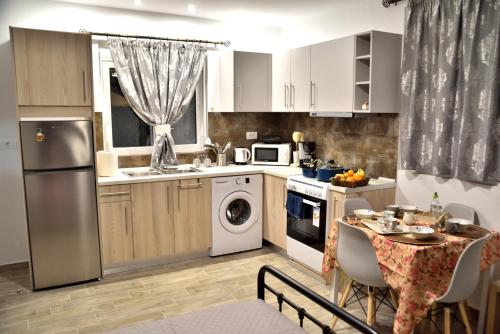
(238, 212)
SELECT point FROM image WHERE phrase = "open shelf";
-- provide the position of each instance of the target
(361, 95)
(363, 43)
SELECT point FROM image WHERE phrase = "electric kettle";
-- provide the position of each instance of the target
(241, 156)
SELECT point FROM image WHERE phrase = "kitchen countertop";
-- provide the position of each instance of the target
(232, 170)
(121, 178)
(373, 184)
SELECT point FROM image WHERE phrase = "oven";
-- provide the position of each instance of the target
(307, 227)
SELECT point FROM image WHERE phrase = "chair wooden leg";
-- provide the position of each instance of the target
(462, 306)
(394, 298)
(492, 311)
(370, 318)
(343, 300)
(447, 320)
(433, 317)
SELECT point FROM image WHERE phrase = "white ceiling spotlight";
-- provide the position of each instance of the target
(191, 8)
(137, 2)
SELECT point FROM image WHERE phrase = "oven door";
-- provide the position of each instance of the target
(310, 228)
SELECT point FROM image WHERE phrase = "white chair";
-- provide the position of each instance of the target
(461, 211)
(356, 203)
(463, 283)
(357, 259)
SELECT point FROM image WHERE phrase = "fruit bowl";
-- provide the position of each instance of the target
(350, 179)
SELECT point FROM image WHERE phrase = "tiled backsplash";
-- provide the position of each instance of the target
(368, 142)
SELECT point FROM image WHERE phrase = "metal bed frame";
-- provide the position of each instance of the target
(301, 312)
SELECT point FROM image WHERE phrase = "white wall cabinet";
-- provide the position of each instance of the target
(332, 76)
(300, 77)
(377, 72)
(340, 75)
(238, 81)
(291, 80)
(281, 81)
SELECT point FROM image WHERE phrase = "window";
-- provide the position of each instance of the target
(126, 133)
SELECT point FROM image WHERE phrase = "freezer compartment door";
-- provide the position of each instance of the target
(62, 227)
(56, 144)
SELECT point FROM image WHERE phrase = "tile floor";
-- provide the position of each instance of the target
(127, 298)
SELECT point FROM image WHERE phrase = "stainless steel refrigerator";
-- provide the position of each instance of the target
(61, 202)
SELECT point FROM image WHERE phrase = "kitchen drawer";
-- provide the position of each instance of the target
(116, 193)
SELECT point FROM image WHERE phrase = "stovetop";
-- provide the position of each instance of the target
(309, 186)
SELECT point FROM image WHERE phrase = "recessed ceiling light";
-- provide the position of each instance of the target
(137, 2)
(191, 8)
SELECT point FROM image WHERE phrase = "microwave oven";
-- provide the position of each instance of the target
(271, 154)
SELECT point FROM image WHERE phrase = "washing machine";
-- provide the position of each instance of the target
(236, 214)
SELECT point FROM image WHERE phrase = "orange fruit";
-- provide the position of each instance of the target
(350, 172)
(358, 177)
(351, 179)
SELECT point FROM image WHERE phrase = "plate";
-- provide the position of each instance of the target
(459, 221)
(364, 213)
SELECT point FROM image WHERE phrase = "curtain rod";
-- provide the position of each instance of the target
(226, 43)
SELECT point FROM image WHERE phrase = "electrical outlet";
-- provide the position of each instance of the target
(251, 135)
(8, 144)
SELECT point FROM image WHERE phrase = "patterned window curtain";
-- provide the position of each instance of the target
(450, 121)
(158, 79)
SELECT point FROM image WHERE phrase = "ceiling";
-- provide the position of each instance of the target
(274, 13)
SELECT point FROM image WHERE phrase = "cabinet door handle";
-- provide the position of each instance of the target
(189, 186)
(168, 199)
(84, 76)
(118, 193)
(126, 219)
(240, 97)
(314, 94)
(292, 96)
(286, 96)
(284, 195)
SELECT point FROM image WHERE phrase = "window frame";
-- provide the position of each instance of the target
(103, 105)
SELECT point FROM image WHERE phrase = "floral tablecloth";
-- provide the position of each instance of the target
(420, 274)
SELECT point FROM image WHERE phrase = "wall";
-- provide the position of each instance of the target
(43, 14)
(347, 18)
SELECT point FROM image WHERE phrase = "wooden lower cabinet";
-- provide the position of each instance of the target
(193, 215)
(274, 213)
(116, 232)
(377, 198)
(152, 215)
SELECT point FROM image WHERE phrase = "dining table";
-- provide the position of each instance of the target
(418, 273)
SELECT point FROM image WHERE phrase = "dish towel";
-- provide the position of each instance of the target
(294, 206)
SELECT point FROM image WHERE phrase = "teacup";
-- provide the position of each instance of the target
(388, 214)
(409, 218)
(451, 226)
(391, 223)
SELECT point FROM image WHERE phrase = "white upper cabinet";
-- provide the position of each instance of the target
(300, 79)
(252, 81)
(377, 72)
(281, 81)
(238, 81)
(332, 75)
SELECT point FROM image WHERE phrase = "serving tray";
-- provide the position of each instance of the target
(436, 239)
(374, 226)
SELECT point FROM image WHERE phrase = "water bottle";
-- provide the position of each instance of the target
(436, 208)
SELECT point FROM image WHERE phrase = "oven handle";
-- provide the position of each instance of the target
(311, 203)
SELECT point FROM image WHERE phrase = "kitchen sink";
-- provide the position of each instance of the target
(165, 171)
